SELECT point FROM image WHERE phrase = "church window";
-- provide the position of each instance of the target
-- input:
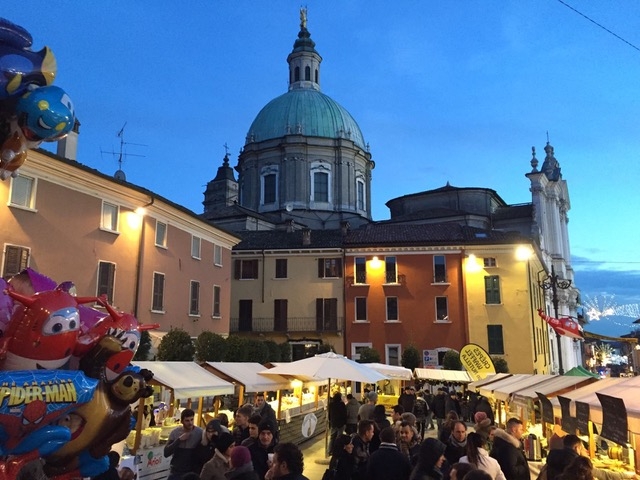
(296, 74)
(307, 73)
(360, 195)
(317, 79)
(321, 187)
(269, 188)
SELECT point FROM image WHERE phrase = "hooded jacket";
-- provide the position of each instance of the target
(509, 454)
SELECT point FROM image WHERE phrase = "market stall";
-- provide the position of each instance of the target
(476, 384)
(436, 375)
(177, 384)
(390, 389)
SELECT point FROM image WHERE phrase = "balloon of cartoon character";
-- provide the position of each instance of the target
(31, 109)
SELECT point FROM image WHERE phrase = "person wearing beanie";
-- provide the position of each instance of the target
(241, 466)
(430, 459)
(205, 451)
(261, 449)
(483, 424)
(216, 468)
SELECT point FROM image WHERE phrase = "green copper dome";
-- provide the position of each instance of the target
(304, 111)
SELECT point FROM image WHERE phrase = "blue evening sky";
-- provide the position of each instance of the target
(454, 91)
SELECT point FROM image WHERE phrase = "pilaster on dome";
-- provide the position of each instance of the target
(304, 61)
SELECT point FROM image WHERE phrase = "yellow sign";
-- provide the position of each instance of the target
(476, 361)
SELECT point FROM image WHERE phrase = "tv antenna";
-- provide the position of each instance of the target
(120, 175)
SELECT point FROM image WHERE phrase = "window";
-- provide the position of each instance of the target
(16, 259)
(296, 74)
(393, 354)
(106, 280)
(23, 192)
(280, 315)
(307, 73)
(391, 274)
(161, 234)
(492, 289)
(216, 302)
(320, 187)
(281, 268)
(361, 309)
(110, 217)
(269, 188)
(360, 195)
(194, 298)
(196, 243)
(246, 269)
(392, 309)
(439, 269)
(326, 314)
(329, 267)
(245, 314)
(217, 255)
(360, 267)
(442, 309)
(489, 262)
(356, 349)
(496, 341)
(157, 299)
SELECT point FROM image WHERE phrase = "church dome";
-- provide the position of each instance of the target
(308, 112)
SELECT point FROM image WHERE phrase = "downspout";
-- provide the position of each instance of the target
(264, 273)
(465, 306)
(136, 297)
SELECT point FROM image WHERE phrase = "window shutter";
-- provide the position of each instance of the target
(321, 268)
(236, 269)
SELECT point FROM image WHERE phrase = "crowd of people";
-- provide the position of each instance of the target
(366, 444)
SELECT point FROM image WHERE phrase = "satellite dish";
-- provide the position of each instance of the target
(288, 207)
(119, 175)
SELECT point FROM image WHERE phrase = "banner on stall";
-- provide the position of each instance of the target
(476, 361)
(547, 408)
(568, 423)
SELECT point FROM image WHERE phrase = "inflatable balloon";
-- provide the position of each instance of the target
(20, 67)
(45, 114)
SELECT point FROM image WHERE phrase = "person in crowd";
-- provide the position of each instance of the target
(126, 473)
(206, 449)
(459, 470)
(219, 464)
(241, 466)
(241, 424)
(439, 410)
(429, 398)
(352, 414)
(456, 443)
(360, 451)
(224, 422)
(479, 457)
(477, 475)
(261, 449)
(366, 410)
(380, 421)
(559, 458)
(580, 468)
(482, 424)
(337, 418)
(112, 472)
(421, 410)
(444, 430)
(396, 414)
(483, 405)
(452, 403)
(182, 444)
(430, 460)
(408, 441)
(342, 461)
(266, 412)
(409, 418)
(288, 463)
(254, 422)
(472, 403)
(507, 450)
(407, 398)
(387, 463)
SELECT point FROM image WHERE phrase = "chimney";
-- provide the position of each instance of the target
(306, 236)
(289, 225)
(68, 146)
(344, 226)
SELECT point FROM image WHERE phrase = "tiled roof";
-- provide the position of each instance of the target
(283, 240)
(524, 210)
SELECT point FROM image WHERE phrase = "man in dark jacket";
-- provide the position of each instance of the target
(387, 463)
(266, 411)
(337, 419)
(261, 449)
(407, 398)
(507, 450)
(360, 451)
(182, 444)
(288, 463)
(439, 410)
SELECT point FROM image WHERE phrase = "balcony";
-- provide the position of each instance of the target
(288, 325)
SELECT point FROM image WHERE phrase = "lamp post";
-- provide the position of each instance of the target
(553, 283)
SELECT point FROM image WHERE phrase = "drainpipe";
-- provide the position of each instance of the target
(136, 298)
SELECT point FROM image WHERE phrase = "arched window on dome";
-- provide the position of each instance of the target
(269, 185)
(296, 74)
(320, 182)
(307, 73)
(317, 76)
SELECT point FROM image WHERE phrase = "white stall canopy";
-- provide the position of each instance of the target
(454, 376)
(187, 379)
(487, 389)
(557, 384)
(248, 374)
(581, 393)
(494, 377)
(505, 391)
(392, 371)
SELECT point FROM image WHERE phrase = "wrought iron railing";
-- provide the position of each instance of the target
(291, 324)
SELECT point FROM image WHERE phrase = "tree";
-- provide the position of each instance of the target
(325, 348)
(274, 351)
(176, 346)
(369, 355)
(285, 352)
(144, 347)
(411, 358)
(500, 365)
(451, 360)
(210, 347)
(237, 349)
(257, 351)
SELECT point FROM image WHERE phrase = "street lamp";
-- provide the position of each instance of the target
(553, 283)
